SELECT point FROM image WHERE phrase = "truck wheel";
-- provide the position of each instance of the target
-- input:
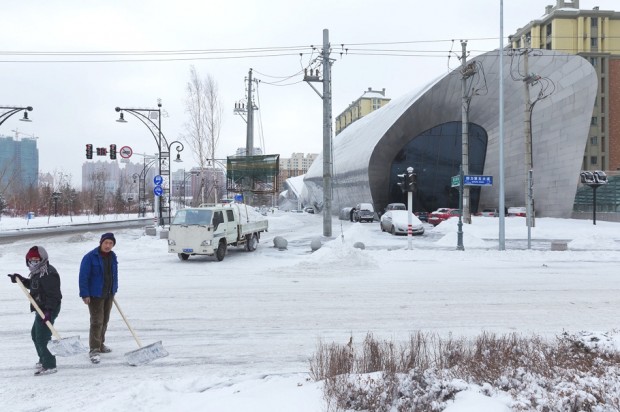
(183, 256)
(251, 242)
(221, 250)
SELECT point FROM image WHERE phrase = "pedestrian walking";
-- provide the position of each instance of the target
(98, 285)
(43, 283)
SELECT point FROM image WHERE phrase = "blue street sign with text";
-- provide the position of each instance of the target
(158, 180)
(478, 180)
(158, 190)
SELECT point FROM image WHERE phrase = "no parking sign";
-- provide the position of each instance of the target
(125, 152)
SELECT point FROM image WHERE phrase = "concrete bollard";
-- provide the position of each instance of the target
(150, 231)
(359, 245)
(163, 234)
(280, 243)
(315, 244)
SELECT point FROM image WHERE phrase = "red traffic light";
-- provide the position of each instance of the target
(113, 151)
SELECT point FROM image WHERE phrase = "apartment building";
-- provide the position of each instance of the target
(368, 102)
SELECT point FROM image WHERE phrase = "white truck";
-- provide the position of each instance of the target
(210, 229)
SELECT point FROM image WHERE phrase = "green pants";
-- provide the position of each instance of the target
(99, 316)
(41, 334)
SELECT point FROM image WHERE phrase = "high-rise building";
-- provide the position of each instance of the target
(370, 101)
(595, 35)
(19, 162)
(297, 165)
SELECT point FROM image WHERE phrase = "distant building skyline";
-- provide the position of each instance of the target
(19, 162)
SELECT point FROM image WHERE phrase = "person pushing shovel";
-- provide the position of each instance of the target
(44, 284)
(98, 284)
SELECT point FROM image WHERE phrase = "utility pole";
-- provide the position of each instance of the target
(466, 74)
(326, 96)
(249, 144)
(529, 78)
(327, 138)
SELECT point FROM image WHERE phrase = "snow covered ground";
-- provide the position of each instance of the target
(240, 332)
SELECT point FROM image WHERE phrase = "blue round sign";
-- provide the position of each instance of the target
(158, 191)
(158, 180)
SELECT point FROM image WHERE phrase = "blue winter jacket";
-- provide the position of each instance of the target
(91, 274)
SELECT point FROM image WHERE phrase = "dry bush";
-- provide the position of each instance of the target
(428, 371)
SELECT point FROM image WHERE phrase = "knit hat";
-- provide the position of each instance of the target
(33, 253)
(106, 236)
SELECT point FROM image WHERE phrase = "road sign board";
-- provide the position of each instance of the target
(478, 180)
(158, 190)
(158, 180)
(456, 181)
(125, 152)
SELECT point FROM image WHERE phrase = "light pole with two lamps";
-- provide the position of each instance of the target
(163, 150)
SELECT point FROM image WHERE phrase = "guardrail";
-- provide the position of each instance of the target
(8, 236)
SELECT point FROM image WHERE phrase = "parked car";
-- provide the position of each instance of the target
(491, 212)
(517, 211)
(364, 212)
(397, 221)
(309, 210)
(423, 216)
(441, 214)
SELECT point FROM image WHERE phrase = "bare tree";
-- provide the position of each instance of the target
(204, 108)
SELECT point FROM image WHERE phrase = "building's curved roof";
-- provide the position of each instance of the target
(364, 151)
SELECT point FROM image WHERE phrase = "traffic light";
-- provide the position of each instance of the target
(102, 151)
(113, 151)
(89, 151)
(402, 182)
(412, 180)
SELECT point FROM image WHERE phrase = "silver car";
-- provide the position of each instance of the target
(396, 222)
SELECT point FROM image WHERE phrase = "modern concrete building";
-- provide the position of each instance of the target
(594, 35)
(423, 130)
(370, 101)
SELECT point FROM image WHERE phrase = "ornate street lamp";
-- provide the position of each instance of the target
(146, 116)
(55, 197)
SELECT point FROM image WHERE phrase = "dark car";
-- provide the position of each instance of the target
(363, 212)
(423, 216)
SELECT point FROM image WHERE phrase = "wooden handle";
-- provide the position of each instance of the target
(37, 308)
(127, 323)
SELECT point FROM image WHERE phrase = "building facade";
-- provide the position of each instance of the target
(422, 130)
(594, 35)
(370, 101)
(19, 162)
(296, 165)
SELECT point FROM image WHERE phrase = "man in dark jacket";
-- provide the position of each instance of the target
(98, 285)
(44, 285)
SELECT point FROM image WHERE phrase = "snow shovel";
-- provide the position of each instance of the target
(58, 346)
(144, 354)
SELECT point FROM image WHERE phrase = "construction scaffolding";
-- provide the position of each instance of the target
(255, 177)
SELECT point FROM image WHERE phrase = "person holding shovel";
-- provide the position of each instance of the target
(98, 284)
(44, 284)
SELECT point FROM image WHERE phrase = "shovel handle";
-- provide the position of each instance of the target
(37, 308)
(127, 323)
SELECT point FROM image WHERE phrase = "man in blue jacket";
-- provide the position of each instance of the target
(98, 285)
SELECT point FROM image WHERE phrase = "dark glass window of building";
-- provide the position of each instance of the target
(436, 156)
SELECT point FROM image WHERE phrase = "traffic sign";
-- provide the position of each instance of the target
(456, 181)
(158, 180)
(478, 180)
(125, 152)
(158, 190)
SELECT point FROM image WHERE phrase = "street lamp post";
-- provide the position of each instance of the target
(162, 144)
(55, 197)
(11, 110)
(141, 178)
(99, 198)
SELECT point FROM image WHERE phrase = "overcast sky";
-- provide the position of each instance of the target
(396, 45)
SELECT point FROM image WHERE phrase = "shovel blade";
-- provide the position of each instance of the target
(146, 354)
(70, 346)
